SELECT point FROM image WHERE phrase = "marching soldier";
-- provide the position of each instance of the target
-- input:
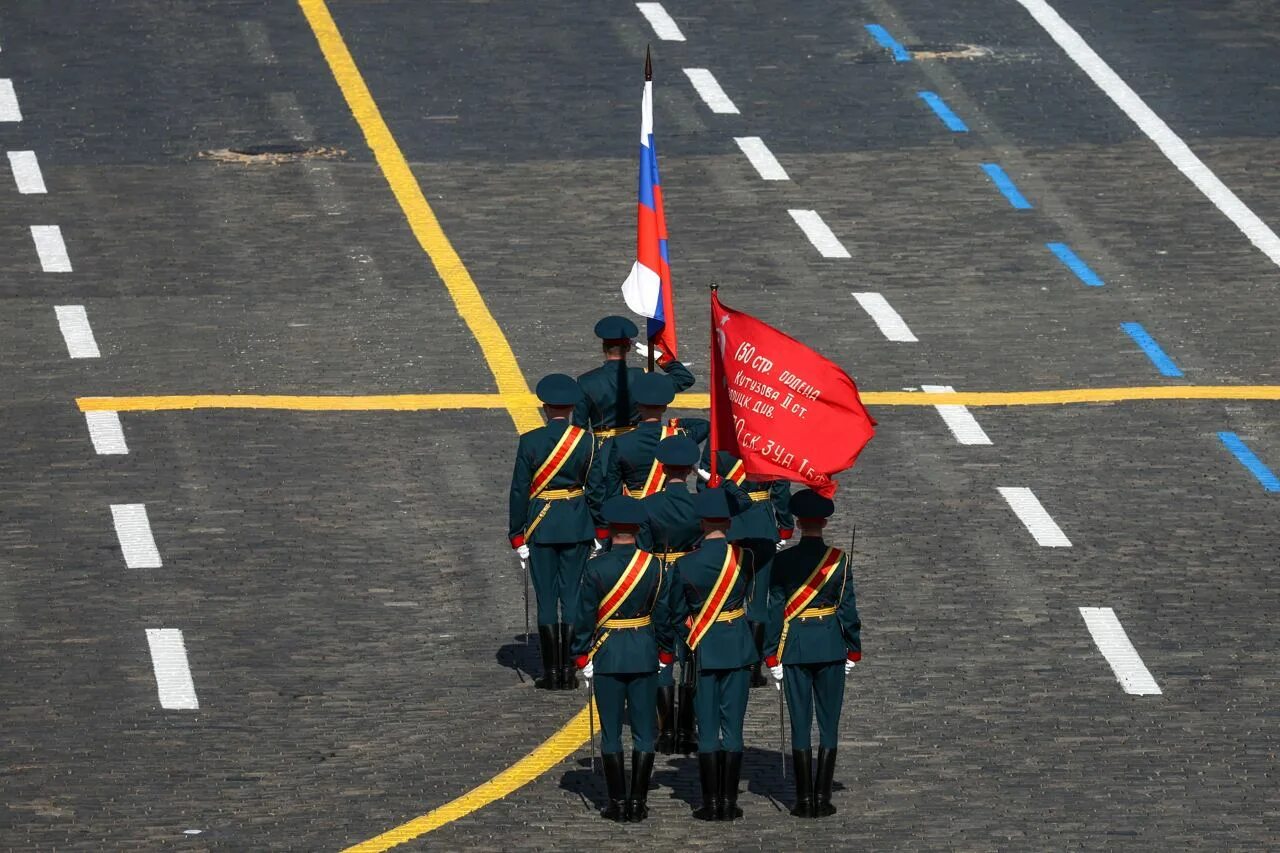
(814, 641)
(672, 531)
(556, 490)
(710, 585)
(630, 464)
(608, 408)
(761, 528)
(622, 639)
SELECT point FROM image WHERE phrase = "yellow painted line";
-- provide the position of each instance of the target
(422, 219)
(555, 749)
(525, 401)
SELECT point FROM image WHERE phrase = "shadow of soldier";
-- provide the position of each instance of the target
(679, 774)
(523, 656)
(586, 783)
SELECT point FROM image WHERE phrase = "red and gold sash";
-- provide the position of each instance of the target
(715, 602)
(653, 482)
(631, 577)
(804, 595)
(737, 474)
(567, 443)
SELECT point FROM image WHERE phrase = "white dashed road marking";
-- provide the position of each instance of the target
(963, 425)
(705, 82)
(889, 321)
(819, 234)
(106, 433)
(173, 673)
(9, 102)
(50, 248)
(76, 331)
(762, 158)
(134, 532)
(26, 172)
(665, 28)
(1114, 644)
(1041, 525)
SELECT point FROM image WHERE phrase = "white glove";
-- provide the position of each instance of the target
(596, 546)
(662, 666)
(588, 672)
(848, 666)
(522, 552)
(642, 348)
(776, 672)
(782, 543)
(704, 476)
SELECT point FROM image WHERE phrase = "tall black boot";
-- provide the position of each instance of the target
(822, 786)
(709, 775)
(686, 742)
(666, 720)
(730, 771)
(547, 646)
(802, 763)
(641, 770)
(568, 679)
(757, 673)
(615, 780)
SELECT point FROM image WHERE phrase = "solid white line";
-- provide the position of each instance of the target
(50, 248)
(762, 158)
(819, 234)
(1114, 644)
(663, 25)
(26, 172)
(76, 331)
(106, 433)
(963, 425)
(173, 673)
(1154, 127)
(9, 102)
(1031, 513)
(134, 532)
(889, 321)
(710, 90)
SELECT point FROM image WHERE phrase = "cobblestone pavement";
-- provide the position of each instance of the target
(350, 610)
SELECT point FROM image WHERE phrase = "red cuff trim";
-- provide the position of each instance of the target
(784, 533)
(517, 540)
(602, 533)
(771, 661)
(666, 657)
(855, 656)
(580, 661)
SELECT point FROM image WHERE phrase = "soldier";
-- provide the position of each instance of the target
(762, 528)
(630, 465)
(556, 490)
(622, 638)
(814, 640)
(608, 408)
(710, 585)
(672, 531)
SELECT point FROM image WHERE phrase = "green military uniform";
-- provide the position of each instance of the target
(766, 522)
(622, 636)
(556, 518)
(821, 635)
(629, 458)
(722, 656)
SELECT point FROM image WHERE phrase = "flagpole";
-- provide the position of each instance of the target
(648, 77)
(715, 380)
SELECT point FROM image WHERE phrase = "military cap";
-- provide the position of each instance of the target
(679, 451)
(653, 389)
(556, 389)
(621, 509)
(807, 503)
(615, 328)
(711, 503)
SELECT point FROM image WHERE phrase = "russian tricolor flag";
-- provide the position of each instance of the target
(647, 289)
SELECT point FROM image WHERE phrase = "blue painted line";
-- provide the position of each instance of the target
(939, 106)
(880, 34)
(1006, 185)
(1265, 476)
(1073, 262)
(1152, 349)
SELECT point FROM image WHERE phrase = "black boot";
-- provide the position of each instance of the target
(568, 678)
(666, 720)
(709, 775)
(822, 785)
(615, 780)
(547, 646)
(686, 743)
(802, 763)
(757, 673)
(641, 770)
(730, 771)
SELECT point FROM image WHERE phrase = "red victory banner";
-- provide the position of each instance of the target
(785, 411)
